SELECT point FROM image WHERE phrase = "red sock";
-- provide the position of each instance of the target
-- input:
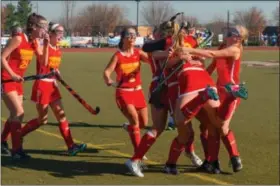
(30, 126)
(204, 142)
(193, 107)
(16, 135)
(146, 142)
(230, 144)
(190, 144)
(213, 147)
(6, 131)
(175, 151)
(224, 111)
(66, 133)
(134, 134)
(141, 125)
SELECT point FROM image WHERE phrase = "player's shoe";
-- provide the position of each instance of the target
(77, 148)
(20, 155)
(236, 163)
(211, 167)
(144, 158)
(238, 91)
(143, 166)
(170, 126)
(134, 167)
(196, 161)
(170, 169)
(210, 94)
(5, 148)
(124, 126)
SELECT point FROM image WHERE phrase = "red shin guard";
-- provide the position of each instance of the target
(6, 131)
(230, 144)
(204, 142)
(213, 147)
(146, 143)
(135, 136)
(66, 133)
(175, 151)
(16, 136)
(30, 126)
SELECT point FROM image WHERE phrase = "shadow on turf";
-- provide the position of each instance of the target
(182, 169)
(82, 124)
(87, 153)
(68, 169)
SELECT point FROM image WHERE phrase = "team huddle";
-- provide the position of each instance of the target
(181, 85)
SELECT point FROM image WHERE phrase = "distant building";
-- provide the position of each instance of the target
(271, 30)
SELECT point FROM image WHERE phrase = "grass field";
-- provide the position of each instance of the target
(256, 126)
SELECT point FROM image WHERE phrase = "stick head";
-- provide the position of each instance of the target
(97, 110)
(175, 16)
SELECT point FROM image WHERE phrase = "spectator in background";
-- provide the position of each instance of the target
(99, 40)
(273, 40)
(262, 39)
(278, 39)
(265, 39)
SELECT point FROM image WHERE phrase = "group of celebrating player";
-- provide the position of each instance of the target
(188, 91)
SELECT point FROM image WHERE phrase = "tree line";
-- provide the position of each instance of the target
(105, 18)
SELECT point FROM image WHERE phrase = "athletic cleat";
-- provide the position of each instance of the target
(144, 158)
(77, 148)
(134, 167)
(211, 167)
(5, 148)
(238, 91)
(20, 155)
(196, 161)
(171, 169)
(143, 166)
(236, 163)
(211, 93)
(170, 126)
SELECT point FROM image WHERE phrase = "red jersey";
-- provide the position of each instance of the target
(20, 58)
(190, 42)
(168, 42)
(128, 69)
(228, 71)
(155, 65)
(54, 61)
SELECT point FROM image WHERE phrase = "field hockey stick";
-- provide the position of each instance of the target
(75, 94)
(201, 45)
(174, 43)
(33, 77)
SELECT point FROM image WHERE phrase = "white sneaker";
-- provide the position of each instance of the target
(134, 168)
(196, 161)
(144, 158)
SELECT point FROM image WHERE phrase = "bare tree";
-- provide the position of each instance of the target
(276, 15)
(3, 18)
(99, 18)
(217, 25)
(191, 19)
(67, 17)
(156, 12)
(253, 19)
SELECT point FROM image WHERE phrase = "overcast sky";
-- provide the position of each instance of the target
(204, 10)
